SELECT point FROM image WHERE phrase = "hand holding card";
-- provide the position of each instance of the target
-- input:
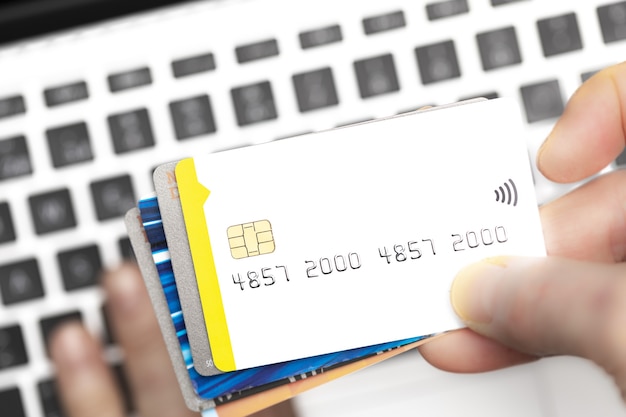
(296, 257)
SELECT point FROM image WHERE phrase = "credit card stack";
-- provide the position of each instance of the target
(275, 268)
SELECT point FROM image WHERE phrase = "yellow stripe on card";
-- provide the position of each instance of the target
(193, 196)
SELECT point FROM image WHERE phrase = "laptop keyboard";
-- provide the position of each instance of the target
(86, 115)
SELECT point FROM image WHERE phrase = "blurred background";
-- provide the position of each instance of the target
(94, 94)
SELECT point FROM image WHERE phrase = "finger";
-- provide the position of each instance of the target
(590, 133)
(151, 377)
(547, 306)
(85, 382)
(464, 351)
(574, 228)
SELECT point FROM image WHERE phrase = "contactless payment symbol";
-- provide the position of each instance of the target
(508, 194)
(250, 239)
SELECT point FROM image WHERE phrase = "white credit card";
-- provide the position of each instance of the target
(351, 237)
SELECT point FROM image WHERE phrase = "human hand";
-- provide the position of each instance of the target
(86, 384)
(572, 302)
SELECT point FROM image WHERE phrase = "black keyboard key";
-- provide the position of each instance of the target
(559, 34)
(447, 8)
(384, 22)
(48, 324)
(193, 65)
(126, 249)
(376, 76)
(7, 230)
(14, 158)
(49, 399)
(69, 144)
(131, 131)
(256, 51)
(320, 37)
(129, 79)
(612, 19)
(437, 62)
(12, 347)
(20, 281)
(499, 48)
(315, 89)
(11, 401)
(52, 211)
(80, 267)
(192, 117)
(67, 93)
(113, 197)
(254, 103)
(11, 106)
(496, 3)
(542, 101)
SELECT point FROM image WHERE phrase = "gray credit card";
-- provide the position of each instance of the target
(184, 274)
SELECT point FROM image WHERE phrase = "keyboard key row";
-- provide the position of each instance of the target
(52, 211)
(13, 351)
(254, 103)
(51, 406)
(558, 35)
(80, 267)
(71, 144)
(49, 396)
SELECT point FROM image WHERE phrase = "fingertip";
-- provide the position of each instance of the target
(71, 346)
(589, 135)
(473, 290)
(123, 286)
(85, 383)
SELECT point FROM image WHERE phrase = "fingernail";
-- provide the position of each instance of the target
(124, 286)
(544, 146)
(539, 152)
(473, 290)
(69, 346)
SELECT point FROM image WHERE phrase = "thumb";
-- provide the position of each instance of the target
(548, 306)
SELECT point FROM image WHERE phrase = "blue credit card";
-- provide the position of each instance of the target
(232, 385)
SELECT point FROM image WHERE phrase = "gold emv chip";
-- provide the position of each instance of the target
(250, 239)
